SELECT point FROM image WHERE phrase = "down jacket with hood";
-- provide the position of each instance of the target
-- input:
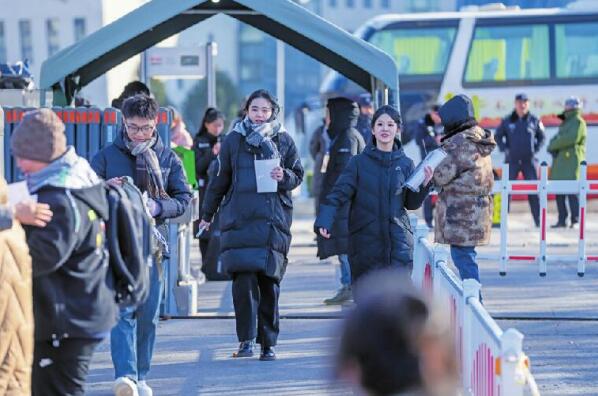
(255, 227)
(463, 214)
(380, 234)
(346, 142)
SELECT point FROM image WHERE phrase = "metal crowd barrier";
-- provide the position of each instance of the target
(91, 129)
(543, 188)
(88, 129)
(491, 360)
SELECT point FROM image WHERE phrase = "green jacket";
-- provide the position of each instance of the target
(568, 146)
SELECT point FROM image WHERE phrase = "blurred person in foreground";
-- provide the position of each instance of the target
(393, 343)
(179, 135)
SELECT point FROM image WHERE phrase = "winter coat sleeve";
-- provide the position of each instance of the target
(540, 136)
(413, 200)
(342, 192)
(220, 184)
(50, 247)
(178, 190)
(568, 137)
(5, 217)
(203, 157)
(98, 164)
(292, 168)
(357, 144)
(500, 135)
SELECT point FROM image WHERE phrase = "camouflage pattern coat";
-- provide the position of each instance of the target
(463, 214)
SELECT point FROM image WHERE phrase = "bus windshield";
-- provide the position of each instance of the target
(405, 46)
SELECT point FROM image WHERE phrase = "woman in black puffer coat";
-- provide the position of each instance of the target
(255, 227)
(380, 234)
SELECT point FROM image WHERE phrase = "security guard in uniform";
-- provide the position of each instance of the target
(520, 136)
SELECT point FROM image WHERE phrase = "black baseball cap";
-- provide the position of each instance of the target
(521, 96)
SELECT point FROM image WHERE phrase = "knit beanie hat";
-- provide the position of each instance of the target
(40, 136)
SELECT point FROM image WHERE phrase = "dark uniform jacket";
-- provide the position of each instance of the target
(520, 138)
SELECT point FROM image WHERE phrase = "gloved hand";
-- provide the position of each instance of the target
(153, 207)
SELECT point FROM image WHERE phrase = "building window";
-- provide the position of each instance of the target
(80, 28)
(367, 3)
(385, 3)
(2, 44)
(26, 40)
(52, 36)
(332, 3)
(350, 3)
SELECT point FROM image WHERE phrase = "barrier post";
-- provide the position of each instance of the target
(583, 195)
(419, 259)
(471, 289)
(441, 254)
(94, 138)
(17, 117)
(511, 373)
(81, 133)
(69, 116)
(543, 198)
(110, 125)
(504, 217)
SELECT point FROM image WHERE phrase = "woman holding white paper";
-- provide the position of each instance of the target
(255, 218)
(373, 181)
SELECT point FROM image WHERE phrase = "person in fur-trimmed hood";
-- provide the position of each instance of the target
(464, 207)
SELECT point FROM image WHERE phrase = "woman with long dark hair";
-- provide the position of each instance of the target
(380, 235)
(206, 146)
(255, 226)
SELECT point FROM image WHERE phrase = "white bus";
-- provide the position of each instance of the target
(491, 54)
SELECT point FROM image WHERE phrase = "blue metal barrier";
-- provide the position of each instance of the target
(163, 126)
(110, 125)
(93, 131)
(69, 115)
(8, 161)
(81, 133)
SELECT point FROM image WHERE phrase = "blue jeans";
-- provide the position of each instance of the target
(464, 259)
(132, 339)
(345, 270)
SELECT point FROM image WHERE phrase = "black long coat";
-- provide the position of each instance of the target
(346, 142)
(379, 228)
(255, 227)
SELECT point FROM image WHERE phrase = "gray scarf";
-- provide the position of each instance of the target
(259, 136)
(67, 171)
(148, 175)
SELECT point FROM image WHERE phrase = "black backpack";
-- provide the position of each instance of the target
(130, 244)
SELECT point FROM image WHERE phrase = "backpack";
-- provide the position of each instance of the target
(130, 244)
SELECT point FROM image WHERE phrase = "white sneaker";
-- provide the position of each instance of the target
(144, 389)
(124, 386)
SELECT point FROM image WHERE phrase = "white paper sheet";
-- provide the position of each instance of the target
(433, 159)
(18, 192)
(263, 169)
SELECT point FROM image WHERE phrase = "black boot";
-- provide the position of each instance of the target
(559, 225)
(268, 354)
(245, 349)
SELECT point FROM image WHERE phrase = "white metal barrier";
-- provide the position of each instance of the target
(491, 361)
(543, 188)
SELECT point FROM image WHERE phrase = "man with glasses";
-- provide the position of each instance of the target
(139, 153)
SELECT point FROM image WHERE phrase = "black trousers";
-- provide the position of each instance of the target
(255, 297)
(529, 173)
(61, 371)
(562, 208)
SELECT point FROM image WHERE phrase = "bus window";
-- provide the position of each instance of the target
(576, 50)
(406, 46)
(503, 53)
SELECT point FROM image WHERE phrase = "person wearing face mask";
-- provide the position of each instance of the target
(380, 234)
(255, 227)
(138, 152)
(206, 147)
(346, 142)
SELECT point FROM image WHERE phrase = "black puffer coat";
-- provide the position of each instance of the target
(380, 232)
(255, 228)
(346, 142)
